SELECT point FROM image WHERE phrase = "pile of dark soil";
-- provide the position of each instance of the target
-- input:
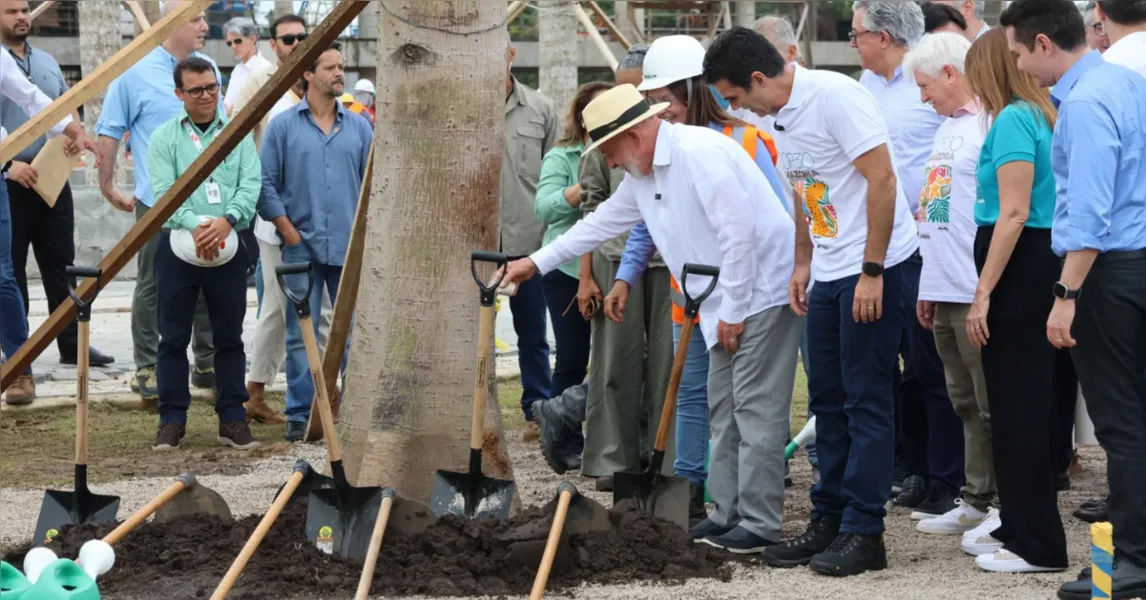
(186, 558)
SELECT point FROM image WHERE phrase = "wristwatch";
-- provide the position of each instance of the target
(231, 219)
(872, 269)
(1064, 293)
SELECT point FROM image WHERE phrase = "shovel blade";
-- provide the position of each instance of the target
(665, 497)
(340, 520)
(194, 500)
(471, 495)
(61, 508)
(409, 517)
(586, 516)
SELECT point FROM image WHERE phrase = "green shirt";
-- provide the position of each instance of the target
(558, 172)
(1020, 133)
(239, 176)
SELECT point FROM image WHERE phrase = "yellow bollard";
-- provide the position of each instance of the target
(1102, 560)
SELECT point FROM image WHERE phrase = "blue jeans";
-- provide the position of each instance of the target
(13, 318)
(810, 447)
(300, 385)
(528, 307)
(849, 391)
(572, 333)
(259, 285)
(692, 430)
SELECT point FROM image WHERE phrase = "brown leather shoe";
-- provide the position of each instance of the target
(260, 412)
(22, 392)
(169, 437)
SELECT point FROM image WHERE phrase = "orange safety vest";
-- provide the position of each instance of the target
(751, 134)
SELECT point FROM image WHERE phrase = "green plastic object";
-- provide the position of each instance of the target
(63, 580)
(13, 584)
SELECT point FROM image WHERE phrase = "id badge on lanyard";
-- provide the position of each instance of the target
(214, 194)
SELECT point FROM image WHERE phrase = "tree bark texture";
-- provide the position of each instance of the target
(100, 39)
(407, 401)
(557, 45)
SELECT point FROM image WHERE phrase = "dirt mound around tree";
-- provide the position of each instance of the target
(186, 558)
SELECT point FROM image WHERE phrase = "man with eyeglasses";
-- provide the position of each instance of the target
(199, 254)
(139, 101)
(242, 38)
(1096, 38)
(287, 32)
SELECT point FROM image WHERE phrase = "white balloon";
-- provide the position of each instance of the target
(96, 558)
(35, 562)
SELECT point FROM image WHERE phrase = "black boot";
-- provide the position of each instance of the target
(696, 510)
(851, 554)
(799, 551)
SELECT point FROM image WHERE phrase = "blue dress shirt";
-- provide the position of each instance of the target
(314, 178)
(139, 101)
(1099, 157)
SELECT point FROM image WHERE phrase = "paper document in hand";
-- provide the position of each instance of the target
(53, 168)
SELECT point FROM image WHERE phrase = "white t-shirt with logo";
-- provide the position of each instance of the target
(947, 212)
(830, 121)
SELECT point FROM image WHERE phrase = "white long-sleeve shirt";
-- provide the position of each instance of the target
(16, 86)
(706, 202)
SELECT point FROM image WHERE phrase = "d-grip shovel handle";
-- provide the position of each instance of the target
(488, 292)
(83, 309)
(485, 338)
(301, 304)
(691, 310)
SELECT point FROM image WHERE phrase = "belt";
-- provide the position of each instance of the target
(1120, 255)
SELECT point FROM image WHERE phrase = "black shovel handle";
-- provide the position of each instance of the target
(83, 309)
(301, 304)
(691, 303)
(488, 292)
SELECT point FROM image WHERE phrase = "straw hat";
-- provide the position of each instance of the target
(614, 111)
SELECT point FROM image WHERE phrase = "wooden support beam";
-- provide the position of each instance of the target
(97, 81)
(45, 5)
(286, 76)
(591, 29)
(514, 10)
(609, 24)
(138, 13)
(343, 304)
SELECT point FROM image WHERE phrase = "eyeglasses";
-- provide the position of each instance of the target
(853, 34)
(197, 92)
(290, 38)
(1099, 28)
(238, 42)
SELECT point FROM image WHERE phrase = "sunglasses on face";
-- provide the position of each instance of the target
(197, 92)
(290, 38)
(238, 42)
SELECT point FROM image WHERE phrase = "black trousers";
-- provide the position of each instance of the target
(49, 231)
(1110, 328)
(1019, 366)
(1065, 399)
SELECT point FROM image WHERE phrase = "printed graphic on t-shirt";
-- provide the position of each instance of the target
(935, 201)
(817, 205)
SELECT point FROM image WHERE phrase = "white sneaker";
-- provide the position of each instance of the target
(960, 519)
(1004, 561)
(978, 541)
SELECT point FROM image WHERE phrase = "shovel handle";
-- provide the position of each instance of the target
(185, 481)
(257, 537)
(375, 544)
(488, 292)
(301, 303)
(563, 500)
(481, 381)
(83, 367)
(325, 415)
(691, 303)
(83, 309)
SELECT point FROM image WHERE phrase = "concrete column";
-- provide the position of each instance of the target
(621, 18)
(745, 13)
(368, 22)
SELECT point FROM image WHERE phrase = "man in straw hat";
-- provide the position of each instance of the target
(705, 201)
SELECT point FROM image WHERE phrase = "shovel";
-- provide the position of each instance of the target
(80, 506)
(664, 496)
(575, 514)
(185, 486)
(472, 494)
(411, 518)
(339, 516)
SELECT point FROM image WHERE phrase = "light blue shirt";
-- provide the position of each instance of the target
(314, 178)
(139, 101)
(1099, 156)
(911, 125)
(639, 249)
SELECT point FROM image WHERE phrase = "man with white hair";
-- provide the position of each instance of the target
(1096, 38)
(778, 30)
(929, 435)
(242, 36)
(947, 285)
(972, 11)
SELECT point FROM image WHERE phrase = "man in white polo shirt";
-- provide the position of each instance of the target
(834, 147)
(705, 201)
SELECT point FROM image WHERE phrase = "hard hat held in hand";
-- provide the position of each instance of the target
(671, 59)
(183, 246)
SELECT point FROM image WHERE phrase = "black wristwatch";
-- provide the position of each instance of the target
(1064, 293)
(872, 269)
(231, 219)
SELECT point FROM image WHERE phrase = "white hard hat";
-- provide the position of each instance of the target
(671, 59)
(183, 246)
(364, 85)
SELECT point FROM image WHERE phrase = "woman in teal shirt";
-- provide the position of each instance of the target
(558, 205)
(1007, 320)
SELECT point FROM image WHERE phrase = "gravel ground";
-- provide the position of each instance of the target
(921, 566)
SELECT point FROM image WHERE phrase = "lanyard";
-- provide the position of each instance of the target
(22, 61)
(198, 144)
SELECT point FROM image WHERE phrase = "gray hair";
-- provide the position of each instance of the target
(241, 26)
(634, 59)
(1088, 13)
(934, 51)
(781, 29)
(901, 19)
